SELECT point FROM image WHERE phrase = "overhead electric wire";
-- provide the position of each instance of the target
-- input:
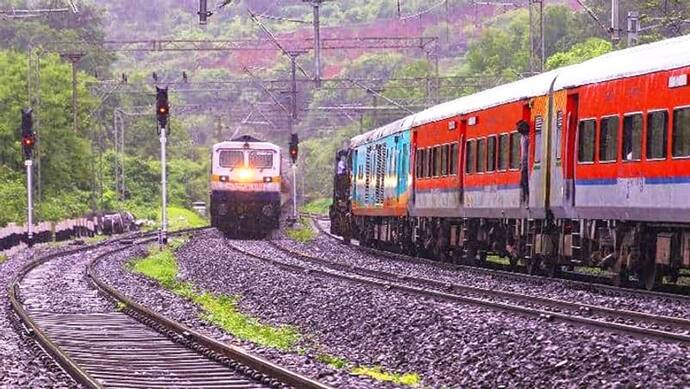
(420, 13)
(593, 15)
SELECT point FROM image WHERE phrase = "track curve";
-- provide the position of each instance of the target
(127, 345)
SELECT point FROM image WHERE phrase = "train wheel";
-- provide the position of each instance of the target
(551, 269)
(653, 277)
(480, 259)
(533, 265)
(513, 260)
(620, 279)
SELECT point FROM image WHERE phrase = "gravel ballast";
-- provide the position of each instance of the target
(447, 344)
(326, 247)
(23, 364)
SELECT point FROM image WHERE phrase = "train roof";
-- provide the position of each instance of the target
(649, 58)
(653, 57)
(378, 133)
(253, 145)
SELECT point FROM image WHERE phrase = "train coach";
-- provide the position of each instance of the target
(246, 186)
(584, 165)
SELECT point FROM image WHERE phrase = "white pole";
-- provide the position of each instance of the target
(164, 189)
(294, 191)
(30, 201)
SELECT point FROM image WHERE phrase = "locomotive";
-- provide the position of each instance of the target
(586, 165)
(246, 186)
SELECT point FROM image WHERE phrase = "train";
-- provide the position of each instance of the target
(247, 188)
(585, 165)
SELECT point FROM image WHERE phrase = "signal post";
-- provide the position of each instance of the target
(294, 151)
(162, 115)
(28, 142)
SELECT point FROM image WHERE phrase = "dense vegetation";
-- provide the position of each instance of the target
(77, 167)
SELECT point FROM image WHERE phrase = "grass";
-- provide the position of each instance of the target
(95, 239)
(220, 310)
(317, 206)
(301, 232)
(223, 311)
(497, 259)
(377, 373)
(181, 218)
(330, 360)
(593, 271)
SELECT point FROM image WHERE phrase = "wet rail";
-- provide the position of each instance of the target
(630, 322)
(126, 345)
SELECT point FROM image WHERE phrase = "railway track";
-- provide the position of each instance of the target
(569, 277)
(126, 345)
(629, 322)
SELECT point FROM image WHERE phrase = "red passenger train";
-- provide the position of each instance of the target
(588, 164)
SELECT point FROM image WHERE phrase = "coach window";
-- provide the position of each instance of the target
(559, 133)
(444, 160)
(681, 132)
(419, 162)
(503, 152)
(632, 137)
(538, 126)
(453, 159)
(657, 134)
(424, 163)
(481, 155)
(586, 137)
(514, 151)
(470, 154)
(231, 158)
(491, 154)
(608, 139)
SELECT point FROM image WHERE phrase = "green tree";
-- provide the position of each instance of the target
(592, 47)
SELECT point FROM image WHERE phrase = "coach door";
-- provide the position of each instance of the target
(570, 152)
(401, 166)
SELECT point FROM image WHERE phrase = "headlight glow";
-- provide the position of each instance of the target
(245, 174)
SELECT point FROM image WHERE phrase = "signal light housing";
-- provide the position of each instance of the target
(162, 107)
(28, 136)
(294, 147)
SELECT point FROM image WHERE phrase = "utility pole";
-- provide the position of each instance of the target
(294, 139)
(317, 40)
(119, 132)
(536, 35)
(74, 59)
(615, 21)
(633, 28)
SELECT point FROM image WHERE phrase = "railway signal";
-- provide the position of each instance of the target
(28, 142)
(162, 107)
(294, 147)
(28, 136)
(162, 114)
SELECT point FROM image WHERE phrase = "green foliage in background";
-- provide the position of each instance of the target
(592, 47)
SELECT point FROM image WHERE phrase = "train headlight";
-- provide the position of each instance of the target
(223, 178)
(245, 174)
(268, 179)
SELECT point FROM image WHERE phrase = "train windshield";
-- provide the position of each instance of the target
(231, 158)
(261, 159)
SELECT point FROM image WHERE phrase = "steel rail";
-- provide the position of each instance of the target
(144, 315)
(63, 360)
(345, 273)
(550, 305)
(449, 292)
(501, 272)
(235, 353)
